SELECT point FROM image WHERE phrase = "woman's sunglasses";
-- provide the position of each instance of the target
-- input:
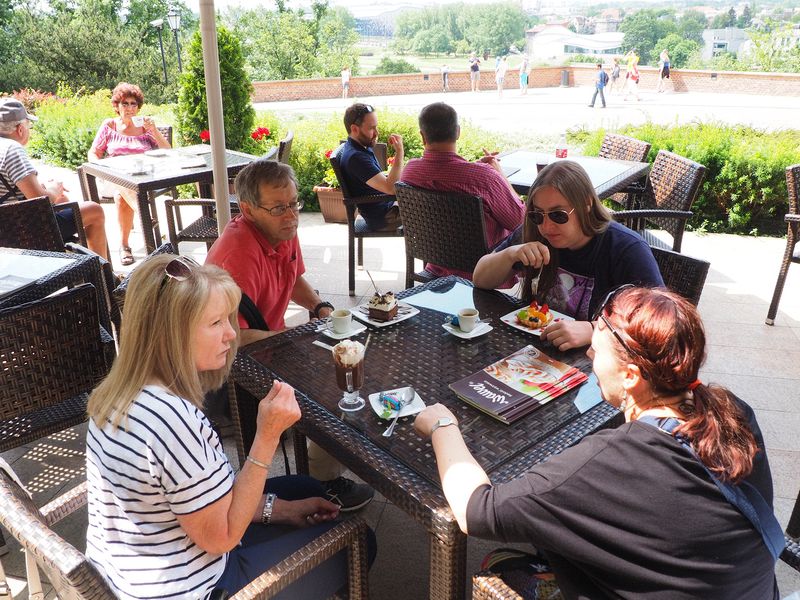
(179, 269)
(559, 217)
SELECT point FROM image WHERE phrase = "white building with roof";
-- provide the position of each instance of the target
(553, 42)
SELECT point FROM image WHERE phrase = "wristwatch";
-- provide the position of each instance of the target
(320, 306)
(442, 422)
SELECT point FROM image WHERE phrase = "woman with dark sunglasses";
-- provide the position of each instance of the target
(568, 253)
(676, 503)
(168, 516)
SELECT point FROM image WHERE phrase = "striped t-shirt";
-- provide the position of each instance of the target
(14, 166)
(163, 461)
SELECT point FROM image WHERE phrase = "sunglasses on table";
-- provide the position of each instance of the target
(559, 217)
(280, 209)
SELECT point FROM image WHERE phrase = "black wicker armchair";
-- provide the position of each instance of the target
(426, 214)
(792, 252)
(682, 274)
(357, 229)
(672, 186)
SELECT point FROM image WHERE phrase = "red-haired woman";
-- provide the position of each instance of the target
(126, 134)
(641, 511)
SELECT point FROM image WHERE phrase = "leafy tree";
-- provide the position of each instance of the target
(691, 25)
(192, 109)
(644, 28)
(723, 20)
(387, 66)
(746, 18)
(679, 48)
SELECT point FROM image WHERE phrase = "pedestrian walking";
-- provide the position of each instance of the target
(500, 75)
(523, 76)
(345, 81)
(475, 72)
(614, 75)
(445, 83)
(600, 81)
(663, 70)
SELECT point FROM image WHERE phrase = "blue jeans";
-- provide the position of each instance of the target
(264, 546)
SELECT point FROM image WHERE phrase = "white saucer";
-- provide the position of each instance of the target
(479, 330)
(412, 408)
(156, 152)
(355, 329)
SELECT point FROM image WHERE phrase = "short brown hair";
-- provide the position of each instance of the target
(270, 172)
(126, 90)
(355, 114)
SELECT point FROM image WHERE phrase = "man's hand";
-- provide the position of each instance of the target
(325, 312)
(303, 513)
(428, 418)
(490, 158)
(56, 191)
(396, 142)
(565, 335)
(277, 411)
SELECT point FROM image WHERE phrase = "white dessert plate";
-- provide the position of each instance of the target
(355, 329)
(478, 331)
(404, 311)
(156, 152)
(412, 408)
(511, 319)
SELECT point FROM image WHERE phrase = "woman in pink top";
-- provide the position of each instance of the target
(126, 134)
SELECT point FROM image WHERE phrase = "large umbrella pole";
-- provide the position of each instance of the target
(208, 32)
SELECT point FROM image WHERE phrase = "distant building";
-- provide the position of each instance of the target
(720, 41)
(555, 42)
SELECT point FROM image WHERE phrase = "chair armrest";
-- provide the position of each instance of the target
(624, 215)
(488, 586)
(65, 504)
(792, 218)
(350, 534)
(791, 554)
(376, 199)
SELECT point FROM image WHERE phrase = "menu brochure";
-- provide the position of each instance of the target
(513, 387)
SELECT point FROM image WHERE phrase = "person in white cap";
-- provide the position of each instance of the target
(19, 179)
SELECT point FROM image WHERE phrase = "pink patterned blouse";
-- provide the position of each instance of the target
(109, 141)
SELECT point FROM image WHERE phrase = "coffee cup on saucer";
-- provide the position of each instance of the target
(341, 320)
(467, 319)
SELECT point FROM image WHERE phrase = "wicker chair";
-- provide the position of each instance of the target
(682, 274)
(31, 224)
(357, 229)
(672, 186)
(206, 229)
(426, 214)
(73, 576)
(122, 288)
(791, 555)
(792, 252)
(621, 147)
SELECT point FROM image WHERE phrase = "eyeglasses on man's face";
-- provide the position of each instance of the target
(559, 217)
(280, 209)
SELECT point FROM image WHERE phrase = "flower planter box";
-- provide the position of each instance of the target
(331, 203)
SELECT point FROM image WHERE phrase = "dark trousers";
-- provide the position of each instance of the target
(598, 90)
(264, 546)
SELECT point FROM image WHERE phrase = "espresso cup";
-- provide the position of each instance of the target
(342, 320)
(138, 121)
(467, 319)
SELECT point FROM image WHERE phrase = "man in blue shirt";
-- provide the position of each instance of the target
(363, 174)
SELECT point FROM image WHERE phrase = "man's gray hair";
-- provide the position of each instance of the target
(270, 172)
(8, 128)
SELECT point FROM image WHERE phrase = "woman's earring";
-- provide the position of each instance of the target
(624, 404)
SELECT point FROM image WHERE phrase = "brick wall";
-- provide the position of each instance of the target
(780, 84)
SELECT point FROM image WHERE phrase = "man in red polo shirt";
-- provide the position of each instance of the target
(441, 169)
(260, 250)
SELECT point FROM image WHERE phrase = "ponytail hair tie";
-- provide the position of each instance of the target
(691, 387)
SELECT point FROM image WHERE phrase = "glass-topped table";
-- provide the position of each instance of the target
(161, 169)
(420, 353)
(608, 176)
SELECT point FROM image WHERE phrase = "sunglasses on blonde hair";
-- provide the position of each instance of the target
(179, 268)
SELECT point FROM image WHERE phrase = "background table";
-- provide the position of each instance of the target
(168, 171)
(76, 269)
(420, 353)
(608, 175)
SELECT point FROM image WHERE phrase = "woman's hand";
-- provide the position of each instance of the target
(565, 335)
(277, 411)
(149, 125)
(303, 513)
(532, 254)
(428, 418)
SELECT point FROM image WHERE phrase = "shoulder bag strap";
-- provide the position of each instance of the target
(743, 495)
(251, 314)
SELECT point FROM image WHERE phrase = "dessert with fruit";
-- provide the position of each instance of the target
(535, 316)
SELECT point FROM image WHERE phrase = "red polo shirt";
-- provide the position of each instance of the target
(266, 274)
(448, 172)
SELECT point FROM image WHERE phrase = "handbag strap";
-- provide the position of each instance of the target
(251, 314)
(743, 495)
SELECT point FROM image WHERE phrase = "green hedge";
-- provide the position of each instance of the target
(744, 190)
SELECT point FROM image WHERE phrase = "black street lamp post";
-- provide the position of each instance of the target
(174, 19)
(159, 24)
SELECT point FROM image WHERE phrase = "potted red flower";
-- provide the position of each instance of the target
(329, 194)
